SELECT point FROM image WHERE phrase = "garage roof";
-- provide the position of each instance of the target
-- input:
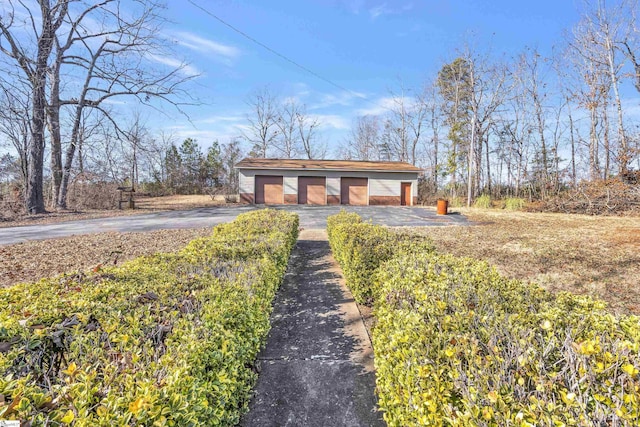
(338, 165)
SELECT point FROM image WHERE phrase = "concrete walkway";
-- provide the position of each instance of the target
(317, 367)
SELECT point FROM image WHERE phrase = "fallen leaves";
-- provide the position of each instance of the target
(31, 261)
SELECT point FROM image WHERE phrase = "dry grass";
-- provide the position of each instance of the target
(143, 205)
(31, 261)
(592, 255)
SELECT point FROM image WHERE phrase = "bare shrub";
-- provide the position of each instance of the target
(603, 197)
(11, 201)
(86, 193)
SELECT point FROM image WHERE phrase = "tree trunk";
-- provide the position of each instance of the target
(53, 116)
(470, 159)
(68, 160)
(593, 145)
(623, 154)
(35, 154)
(488, 165)
(573, 149)
(607, 143)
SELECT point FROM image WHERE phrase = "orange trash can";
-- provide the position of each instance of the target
(442, 207)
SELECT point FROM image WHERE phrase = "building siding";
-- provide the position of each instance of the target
(291, 184)
(333, 185)
(383, 185)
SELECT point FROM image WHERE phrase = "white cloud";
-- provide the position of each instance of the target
(215, 127)
(378, 106)
(222, 119)
(206, 46)
(342, 98)
(355, 5)
(332, 120)
(383, 105)
(384, 9)
(186, 69)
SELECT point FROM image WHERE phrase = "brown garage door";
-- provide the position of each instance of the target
(269, 190)
(312, 190)
(353, 191)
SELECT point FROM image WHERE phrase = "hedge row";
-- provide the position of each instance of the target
(361, 247)
(456, 344)
(168, 339)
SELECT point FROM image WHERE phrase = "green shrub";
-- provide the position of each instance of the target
(360, 247)
(456, 344)
(483, 202)
(514, 204)
(168, 339)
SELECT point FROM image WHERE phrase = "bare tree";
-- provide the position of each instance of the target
(287, 144)
(435, 120)
(33, 63)
(135, 143)
(15, 124)
(308, 134)
(488, 89)
(594, 88)
(364, 139)
(112, 59)
(530, 76)
(611, 28)
(596, 44)
(231, 154)
(404, 124)
(107, 45)
(262, 130)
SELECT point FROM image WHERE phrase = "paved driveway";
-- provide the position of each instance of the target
(310, 217)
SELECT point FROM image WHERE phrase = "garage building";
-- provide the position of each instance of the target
(327, 182)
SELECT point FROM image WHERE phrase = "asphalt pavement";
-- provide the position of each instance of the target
(311, 217)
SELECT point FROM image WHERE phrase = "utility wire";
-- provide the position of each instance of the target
(264, 46)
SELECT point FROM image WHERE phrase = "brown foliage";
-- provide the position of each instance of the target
(604, 197)
(88, 194)
(30, 261)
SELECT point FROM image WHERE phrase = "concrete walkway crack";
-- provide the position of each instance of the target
(317, 366)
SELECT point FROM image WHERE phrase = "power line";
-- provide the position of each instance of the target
(264, 46)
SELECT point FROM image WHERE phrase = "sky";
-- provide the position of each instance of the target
(365, 48)
(355, 53)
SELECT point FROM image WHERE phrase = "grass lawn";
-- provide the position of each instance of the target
(592, 255)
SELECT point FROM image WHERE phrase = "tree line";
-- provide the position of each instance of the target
(63, 63)
(527, 125)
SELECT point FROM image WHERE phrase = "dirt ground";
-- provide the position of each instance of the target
(593, 255)
(143, 205)
(34, 260)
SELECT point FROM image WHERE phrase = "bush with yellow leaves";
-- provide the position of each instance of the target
(360, 247)
(169, 339)
(456, 344)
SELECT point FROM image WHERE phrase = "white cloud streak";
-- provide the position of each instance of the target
(206, 46)
(384, 9)
(186, 69)
(332, 120)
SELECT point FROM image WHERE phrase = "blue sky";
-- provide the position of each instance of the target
(368, 47)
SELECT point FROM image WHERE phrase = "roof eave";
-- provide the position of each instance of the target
(328, 169)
